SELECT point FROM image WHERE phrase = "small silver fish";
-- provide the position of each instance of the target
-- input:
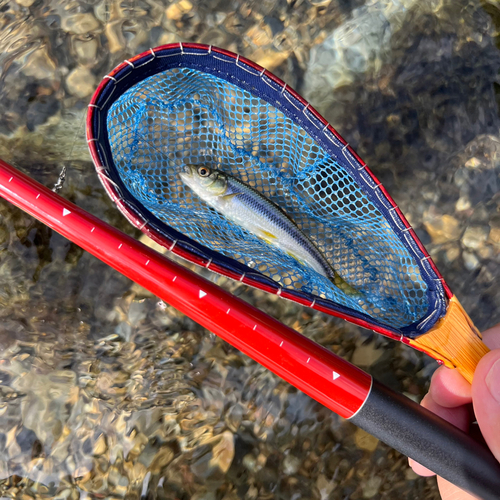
(251, 210)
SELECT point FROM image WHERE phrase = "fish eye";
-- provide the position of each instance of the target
(204, 171)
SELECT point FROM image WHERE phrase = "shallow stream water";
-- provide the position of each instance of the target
(105, 392)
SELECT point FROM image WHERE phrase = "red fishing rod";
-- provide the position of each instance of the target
(329, 379)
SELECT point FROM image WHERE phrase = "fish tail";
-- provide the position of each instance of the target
(340, 283)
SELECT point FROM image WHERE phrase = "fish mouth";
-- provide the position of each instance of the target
(187, 170)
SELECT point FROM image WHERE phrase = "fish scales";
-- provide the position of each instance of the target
(257, 214)
(274, 220)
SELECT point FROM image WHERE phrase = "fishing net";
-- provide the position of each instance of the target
(183, 115)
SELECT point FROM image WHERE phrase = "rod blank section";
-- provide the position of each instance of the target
(311, 368)
(431, 441)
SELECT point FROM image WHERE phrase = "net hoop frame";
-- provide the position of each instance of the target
(260, 82)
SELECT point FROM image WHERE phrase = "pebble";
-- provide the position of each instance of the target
(81, 82)
(234, 417)
(251, 463)
(100, 446)
(204, 495)
(442, 229)
(260, 35)
(291, 464)
(471, 262)
(475, 236)
(357, 46)
(270, 59)
(26, 3)
(452, 254)
(473, 163)
(86, 51)
(164, 456)
(41, 65)
(371, 487)
(223, 452)
(325, 486)
(365, 441)
(410, 475)
(366, 354)
(4, 234)
(485, 252)
(176, 10)
(462, 204)
(494, 235)
(80, 24)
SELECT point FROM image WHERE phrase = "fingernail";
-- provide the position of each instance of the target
(493, 380)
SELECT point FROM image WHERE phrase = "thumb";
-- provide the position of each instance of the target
(486, 399)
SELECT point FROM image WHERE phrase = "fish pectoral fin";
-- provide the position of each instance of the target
(229, 197)
(267, 235)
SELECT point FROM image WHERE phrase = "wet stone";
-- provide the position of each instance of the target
(494, 235)
(365, 441)
(80, 82)
(86, 51)
(485, 252)
(41, 65)
(161, 459)
(176, 10)
(204, 495)
(371, 487)
(26, 3)
(100, 446)
(250, 462)
(223, 452)
(471, 262)
(4, 234)
(291, 464)
(442, 229)
(452, 254)
(234, 417)
(367, 354)
(80, 24)
(474, 237)
(462, 204)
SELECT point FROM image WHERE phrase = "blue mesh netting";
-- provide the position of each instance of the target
(186, 116)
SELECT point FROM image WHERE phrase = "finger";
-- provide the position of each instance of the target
(491, 337)
(486, 399)
(450, 388)
(459, 416)
(449, 491)
(420, 469)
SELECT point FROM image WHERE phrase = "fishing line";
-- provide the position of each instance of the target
(63, 173)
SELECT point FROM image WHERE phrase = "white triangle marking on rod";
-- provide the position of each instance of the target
(335, 375)
(65, 212)
(202, 294)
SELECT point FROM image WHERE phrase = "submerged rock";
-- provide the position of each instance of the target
(358, 46)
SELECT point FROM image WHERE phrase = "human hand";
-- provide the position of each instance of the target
(450, 396)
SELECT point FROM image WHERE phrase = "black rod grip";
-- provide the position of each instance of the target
(431, 441)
